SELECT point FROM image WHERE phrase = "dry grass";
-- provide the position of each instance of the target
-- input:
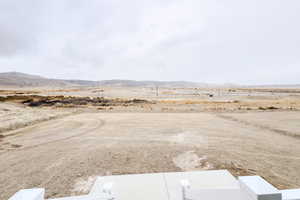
(187, 102)
(236, 105)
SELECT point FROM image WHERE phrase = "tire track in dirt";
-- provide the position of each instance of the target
(268, 155)
(99, 122)
(260, 126)
(5, 132)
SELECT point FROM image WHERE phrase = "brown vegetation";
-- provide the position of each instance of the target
(35, 101)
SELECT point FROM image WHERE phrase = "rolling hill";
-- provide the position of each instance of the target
(17, 79)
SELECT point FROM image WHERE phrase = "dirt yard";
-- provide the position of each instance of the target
(64, 155)
(63, 143)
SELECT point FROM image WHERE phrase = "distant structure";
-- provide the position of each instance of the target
(201, 185)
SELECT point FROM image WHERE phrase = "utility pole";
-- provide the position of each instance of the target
(157, 90)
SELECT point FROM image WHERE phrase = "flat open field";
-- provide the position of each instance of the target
(61, 144)
(64, 155)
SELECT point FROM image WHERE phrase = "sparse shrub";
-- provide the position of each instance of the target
(268, 108)
(261, 108)
(272, 108)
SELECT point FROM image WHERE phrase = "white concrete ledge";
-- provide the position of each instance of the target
(202, 185)
(291, 194)
(29, 194)
(259, 189)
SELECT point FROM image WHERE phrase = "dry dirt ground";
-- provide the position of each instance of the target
(61, 139)
(14, 116)
(64, 155)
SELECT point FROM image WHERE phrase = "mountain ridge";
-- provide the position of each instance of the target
(18, 79)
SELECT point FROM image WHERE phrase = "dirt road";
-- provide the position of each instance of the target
(64, 155)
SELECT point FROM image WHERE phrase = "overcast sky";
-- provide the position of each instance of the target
(214, 41)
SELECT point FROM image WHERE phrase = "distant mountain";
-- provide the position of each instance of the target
(131, 83)
(17, 79)
(291, 86)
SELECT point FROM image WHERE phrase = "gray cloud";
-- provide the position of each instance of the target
(207, 41)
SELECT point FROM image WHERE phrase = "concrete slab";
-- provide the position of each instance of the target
(163, 186)
(215, 194)
(129, 187)
(219, 179)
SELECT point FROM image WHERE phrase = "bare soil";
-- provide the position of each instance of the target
(63, 149)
